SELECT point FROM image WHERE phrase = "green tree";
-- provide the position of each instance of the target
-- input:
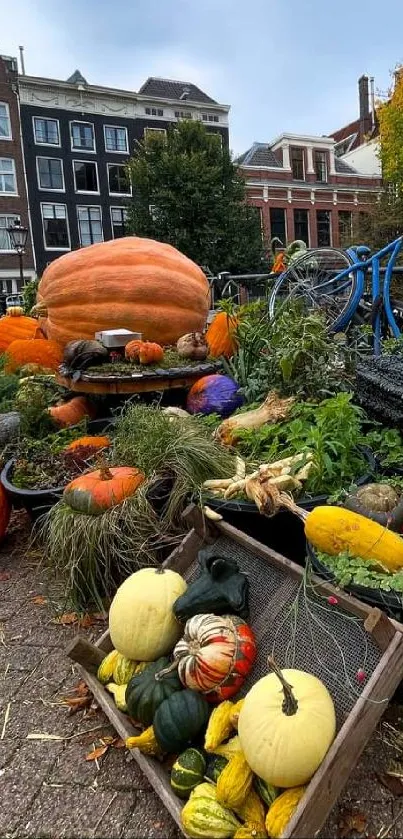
(187, 192)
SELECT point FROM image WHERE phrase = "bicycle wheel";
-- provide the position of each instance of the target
(315, 279)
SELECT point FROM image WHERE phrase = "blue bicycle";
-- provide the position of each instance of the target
(335, 282)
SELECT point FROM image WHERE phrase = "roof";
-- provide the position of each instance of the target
(352, 132)
(343, 168)
(260, 154)
(170, 89)
(76, 78)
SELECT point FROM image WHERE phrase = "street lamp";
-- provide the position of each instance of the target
(18, 238)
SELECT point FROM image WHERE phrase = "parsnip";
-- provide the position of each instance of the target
(211, 514)
(218, 483)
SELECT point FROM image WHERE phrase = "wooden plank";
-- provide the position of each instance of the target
(153, 770)
(185, 554)
(380, 627)
(332, 775)
(128, 386)
(88, 655)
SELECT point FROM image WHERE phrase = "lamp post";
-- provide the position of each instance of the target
(18, 238)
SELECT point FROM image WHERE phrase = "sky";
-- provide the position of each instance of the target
(287, 66)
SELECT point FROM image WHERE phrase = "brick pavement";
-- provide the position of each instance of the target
(49, 790)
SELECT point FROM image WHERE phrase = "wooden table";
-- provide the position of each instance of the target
(150, 380)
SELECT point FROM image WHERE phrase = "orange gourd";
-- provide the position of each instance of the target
(98, 491)
(279, 263)
(46, 354)
(16, 327)
(72, 412)
(88, 442)
(130, 283)
(150, 353)
(132, 350)
(5, 512)
(220, 335)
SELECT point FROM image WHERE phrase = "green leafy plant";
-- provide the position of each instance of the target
(29, 293)
(352, 570)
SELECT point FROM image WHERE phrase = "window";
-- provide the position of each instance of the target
(82, 136)
(323, 219)
(210, 118)
(85, 176)
(5, 122)
(90, 225)
(46, 131)
(116, 139)
(5, 222)
(55, 227)
(118, 179)
(152, 133)
(50, 173)
(277, 224)
(216, 134)
(321, 166)
(119, 219)
(301, 227)
(183, 115)
(297, 164)
(345, 226)
(8, 180)
(154, 112)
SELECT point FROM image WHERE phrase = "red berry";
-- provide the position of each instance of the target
(332, 601)
(360, 675)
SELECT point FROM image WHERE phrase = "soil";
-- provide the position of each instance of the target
(46, 470)
(171, 360)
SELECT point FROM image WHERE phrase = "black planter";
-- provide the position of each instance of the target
(283, 532)
(39, 501)
(390, 602)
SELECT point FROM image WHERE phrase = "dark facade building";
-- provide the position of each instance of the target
(13, 193)
(77, 139)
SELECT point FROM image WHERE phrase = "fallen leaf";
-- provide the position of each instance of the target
(118, 743)
(5, 575)
(90, 620)
(39, 600)
(66, 619)
(392, 781)
(351, 821)
(97, 753)
(77, 703)
(81, 688)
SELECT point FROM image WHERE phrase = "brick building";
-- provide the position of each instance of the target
(304, 191)
(13, 191)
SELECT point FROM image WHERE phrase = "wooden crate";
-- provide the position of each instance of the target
(274, 580)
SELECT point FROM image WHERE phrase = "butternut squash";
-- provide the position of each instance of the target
(334, 530)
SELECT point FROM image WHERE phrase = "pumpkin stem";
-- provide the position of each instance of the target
(290, 703)
(105, 473)
(160, 675)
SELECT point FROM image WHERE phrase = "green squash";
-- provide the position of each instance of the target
(265, 791)
(180, 719)
(123, 670)
(215, 765)
(187, 772)
(144, 693)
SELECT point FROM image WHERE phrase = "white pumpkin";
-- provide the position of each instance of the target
(142, 625)
(285, 729)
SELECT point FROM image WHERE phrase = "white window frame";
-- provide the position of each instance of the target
(10, 135)
(117, 151)
(49, 119)
(55, 204)
(45, 188)
(4, 192)
(116, 207)
(13, 217)
(82, 150)
(118, 194)
(85, 191)
(89, 207)
(151, 128)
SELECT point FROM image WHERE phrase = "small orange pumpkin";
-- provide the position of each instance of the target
(98, 491)
(89, 442)
(14, 328)
(220, 335)
(150, 353)
(72, 412)
(47, 354)
(132, 350)
(5, 512)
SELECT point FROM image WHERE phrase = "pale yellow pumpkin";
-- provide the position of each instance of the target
(286, 727)
(141, 621)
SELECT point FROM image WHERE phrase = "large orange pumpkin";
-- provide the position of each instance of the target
(17, 327)
(5, 511)
(129, 283)
(98, 491)
(46, 354)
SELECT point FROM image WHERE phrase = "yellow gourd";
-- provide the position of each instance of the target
(119, 695)
(281, 811)
(229, 749)
(106, 668)
(203, 817)
(234, 782)
(219, 726)
(123, 670)
(146, 742)
(252, 810)
(285, 734)
(236, 708)
(250, 831)
(335, 529)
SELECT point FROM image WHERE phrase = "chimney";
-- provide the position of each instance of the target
(365, 116)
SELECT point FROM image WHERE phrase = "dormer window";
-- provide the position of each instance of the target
(185, 93)
(320, 158)
(297, 164)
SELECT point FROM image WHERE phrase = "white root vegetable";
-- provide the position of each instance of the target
(218, 483)
(272, 410)
(211, 514)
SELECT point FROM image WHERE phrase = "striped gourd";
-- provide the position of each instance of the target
(203, 817)
(187, 772)
(123, 670)
(106, 668)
